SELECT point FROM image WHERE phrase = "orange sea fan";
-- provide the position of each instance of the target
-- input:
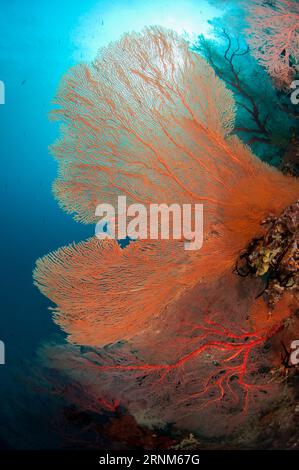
(274, 37)
(199, 367)
(150, 120)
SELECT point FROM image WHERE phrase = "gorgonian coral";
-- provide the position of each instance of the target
(149, 119)
(274, 38)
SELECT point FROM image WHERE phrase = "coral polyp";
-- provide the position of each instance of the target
(149, 119)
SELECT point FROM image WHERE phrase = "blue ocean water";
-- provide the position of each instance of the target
(39, 41)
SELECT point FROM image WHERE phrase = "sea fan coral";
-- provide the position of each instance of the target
(274, 37)
(201, 366)
(150, 120)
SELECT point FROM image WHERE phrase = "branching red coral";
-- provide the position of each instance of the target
(274, 37)
(149, 119)
(237, 349)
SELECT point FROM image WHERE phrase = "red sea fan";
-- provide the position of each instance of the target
(201, 366)
(274, 38)
(150, 120)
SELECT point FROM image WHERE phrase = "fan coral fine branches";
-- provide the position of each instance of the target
(274, 38)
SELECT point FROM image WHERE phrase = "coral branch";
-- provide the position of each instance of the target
(150, 119)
